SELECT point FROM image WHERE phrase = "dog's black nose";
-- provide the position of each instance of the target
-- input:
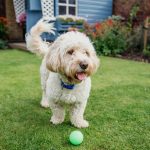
(83, 65)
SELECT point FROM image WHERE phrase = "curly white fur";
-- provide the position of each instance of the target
(71, 59)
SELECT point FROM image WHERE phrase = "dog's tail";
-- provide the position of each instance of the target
(34, 41)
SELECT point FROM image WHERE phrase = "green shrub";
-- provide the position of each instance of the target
(134, 37)
(146, 52)
(111, 43)
(3, 44)
(3, 28)
(108, 37)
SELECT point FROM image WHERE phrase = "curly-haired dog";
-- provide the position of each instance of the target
(65, 71)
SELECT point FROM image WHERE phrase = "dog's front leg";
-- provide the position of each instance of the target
(76, 115)
(44, 101)
(58, 113)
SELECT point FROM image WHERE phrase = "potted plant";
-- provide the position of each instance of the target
(22, 22)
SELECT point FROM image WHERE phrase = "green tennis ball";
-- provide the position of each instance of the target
(76, 138)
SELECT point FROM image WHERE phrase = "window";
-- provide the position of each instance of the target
(67, 7)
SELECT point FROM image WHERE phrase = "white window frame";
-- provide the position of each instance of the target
(67, 7)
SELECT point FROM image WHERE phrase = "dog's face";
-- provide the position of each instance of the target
(73, 56)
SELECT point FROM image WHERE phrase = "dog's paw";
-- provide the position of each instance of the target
(81, 123)
(56, 120)
(44, 104)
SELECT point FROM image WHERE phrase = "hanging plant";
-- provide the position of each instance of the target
(22, 19)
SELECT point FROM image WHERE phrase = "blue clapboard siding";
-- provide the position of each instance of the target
(33, 9)
(34, 5)
(95, 10)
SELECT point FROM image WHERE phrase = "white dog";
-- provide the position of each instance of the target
(65, 72)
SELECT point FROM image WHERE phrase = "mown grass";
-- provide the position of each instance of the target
(118, 109)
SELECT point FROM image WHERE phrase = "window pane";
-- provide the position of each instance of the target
(72, 11)
(62, 10)
(62, 1)
(72, 1)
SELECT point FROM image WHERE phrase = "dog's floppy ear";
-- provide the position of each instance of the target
(53, 60)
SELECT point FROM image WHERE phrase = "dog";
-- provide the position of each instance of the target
(65, 71)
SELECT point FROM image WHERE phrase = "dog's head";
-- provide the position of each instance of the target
(72, 55)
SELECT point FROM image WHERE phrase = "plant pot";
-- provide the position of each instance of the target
(63, 26)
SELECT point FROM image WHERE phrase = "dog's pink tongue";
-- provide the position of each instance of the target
(81, 76)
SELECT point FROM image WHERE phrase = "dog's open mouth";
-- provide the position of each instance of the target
(81, 76)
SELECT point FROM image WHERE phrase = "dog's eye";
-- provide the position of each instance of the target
(87, 53)
(70, 52)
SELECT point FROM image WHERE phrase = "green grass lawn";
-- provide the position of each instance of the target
(118, 109)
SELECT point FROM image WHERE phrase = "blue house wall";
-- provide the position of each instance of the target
(92, 10)
(33, 9)
(95, 10)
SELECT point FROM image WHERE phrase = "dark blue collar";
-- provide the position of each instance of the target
(67, 86)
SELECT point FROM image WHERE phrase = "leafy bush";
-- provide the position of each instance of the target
(3, 28)
(112, 43)
(3, 44)
(134, 38)
(146, 53)
(133, 16)
(108, 37)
